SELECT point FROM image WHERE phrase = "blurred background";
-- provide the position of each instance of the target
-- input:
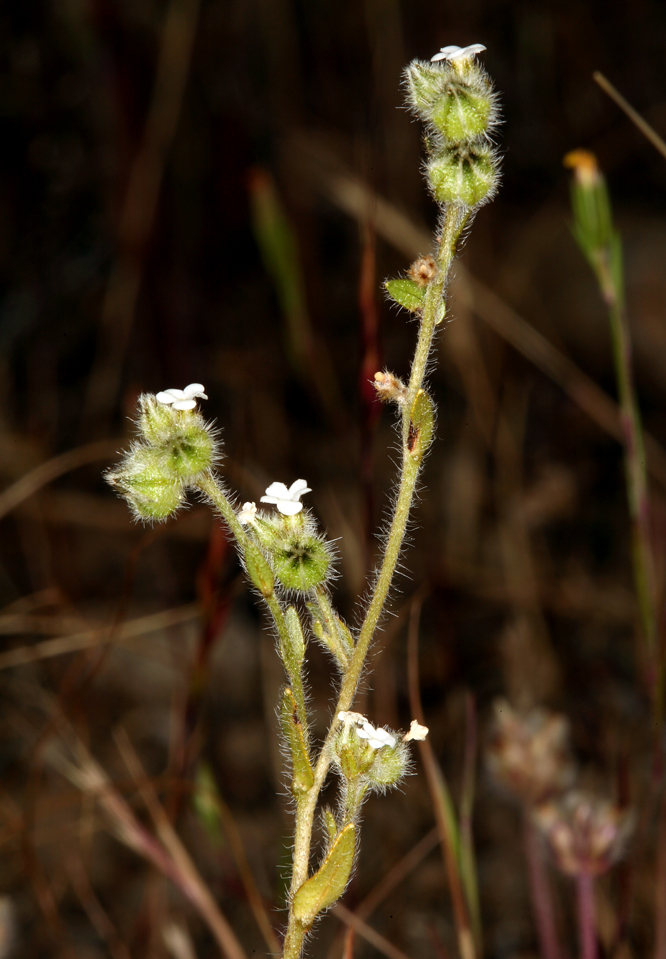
(214, 191)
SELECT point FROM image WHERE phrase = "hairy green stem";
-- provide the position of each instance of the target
(453, 224)
(210, 486)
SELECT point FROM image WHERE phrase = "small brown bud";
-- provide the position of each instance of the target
(389, 388)
(423, 270)
(586, 834)
(529, 754)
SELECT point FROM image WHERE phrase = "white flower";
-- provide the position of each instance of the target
(376, 737)
(416, 732)
(182, 399)
(458, 53)
(248, 513)
(287, 500)
(351, 719)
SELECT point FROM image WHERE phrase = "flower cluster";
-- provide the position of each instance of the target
(174, 448)
(454, 96)
(299, 555)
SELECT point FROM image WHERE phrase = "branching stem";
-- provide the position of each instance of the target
(453, 224)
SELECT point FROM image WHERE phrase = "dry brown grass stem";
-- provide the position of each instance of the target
(125, 635)
(167, 854)
(648, 132)
(197, 890)
(247, 878)
(93, 908)
(140, 202)
(366, 932)
(46, 472)
(388, 883)
(439, 794)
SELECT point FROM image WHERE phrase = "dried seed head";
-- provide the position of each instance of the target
(423, 270)
(390, 389)
(586, 834)
(529, 754)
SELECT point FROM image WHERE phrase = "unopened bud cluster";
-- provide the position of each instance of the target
(175, 447)
(454, 97)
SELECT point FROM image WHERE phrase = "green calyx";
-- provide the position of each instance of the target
(299, 556)
(455, 98)
(302, 563)
(461, 114)
(140, 478)
(361, 764)
(467, 176)
(389, 767)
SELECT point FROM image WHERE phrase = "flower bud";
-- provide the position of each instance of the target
(390, 388)
(467, 175)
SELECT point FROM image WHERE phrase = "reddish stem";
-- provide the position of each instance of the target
(542, 898)
(587, 925)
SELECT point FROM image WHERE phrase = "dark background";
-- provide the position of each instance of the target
(131, 260)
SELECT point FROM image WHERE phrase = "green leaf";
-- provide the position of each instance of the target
(332, 633)
(406, 293)
(294, 652)
(421, 426)
(302, 775)
(206, 802)
(329, 882)
(330, 823)
(259, 571)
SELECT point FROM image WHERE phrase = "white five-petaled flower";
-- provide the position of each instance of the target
(287, 500)
(248, 513)
(458, 53)
(182, 399)
(376, 736)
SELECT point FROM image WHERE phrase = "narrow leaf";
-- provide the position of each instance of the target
(259, 571)
(302, 775)
(329, 882)
(421, 425)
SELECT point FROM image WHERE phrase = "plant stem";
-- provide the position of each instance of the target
(211, 487)
(540, 891)
(454, 221)
(637, 490)
(587, 926)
